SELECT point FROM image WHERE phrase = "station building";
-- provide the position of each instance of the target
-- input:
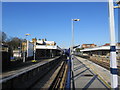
(46, 49)
(101, 51)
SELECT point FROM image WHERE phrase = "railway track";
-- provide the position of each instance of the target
(60, 80)
(54, 79)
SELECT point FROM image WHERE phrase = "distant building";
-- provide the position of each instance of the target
(107, 44)
(101, 51)
(3, 48)
(34, 40)
(44, 42)
(24, 46)
(88, 45)
(27, 49)
(118, 44)
(118, 51)
(6, 55)
(17, 53)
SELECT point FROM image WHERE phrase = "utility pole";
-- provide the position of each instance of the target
(113, 61)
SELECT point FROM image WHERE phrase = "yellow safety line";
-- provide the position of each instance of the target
(100, 77)
(64, 77)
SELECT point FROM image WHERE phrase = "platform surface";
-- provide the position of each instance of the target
(90, 75)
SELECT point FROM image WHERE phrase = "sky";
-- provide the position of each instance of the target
(52, 20)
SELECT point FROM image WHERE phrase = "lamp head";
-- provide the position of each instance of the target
(27, 34)
(76, 19)
(118, 2)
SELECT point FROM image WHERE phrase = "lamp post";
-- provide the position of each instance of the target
(113, 61)
(72, 56)
(35, 47)
(24, 48)
(72, 47)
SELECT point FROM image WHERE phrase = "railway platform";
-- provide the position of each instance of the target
(24, 68)
(26, 77)
(87, 74)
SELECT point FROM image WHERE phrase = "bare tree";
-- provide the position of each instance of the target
(3, 37)
(15, 42)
